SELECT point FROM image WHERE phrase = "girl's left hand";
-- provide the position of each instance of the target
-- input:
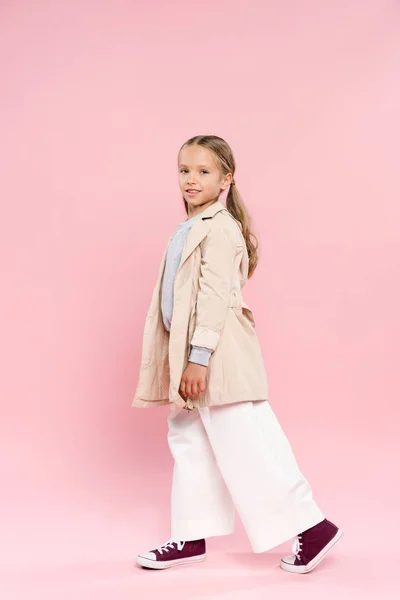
(193, 380)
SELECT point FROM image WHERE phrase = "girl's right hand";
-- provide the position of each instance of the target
(193, 380)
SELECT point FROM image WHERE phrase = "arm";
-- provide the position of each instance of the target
(215, 284)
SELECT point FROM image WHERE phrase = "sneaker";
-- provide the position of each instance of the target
(311, 546)
(172, 554)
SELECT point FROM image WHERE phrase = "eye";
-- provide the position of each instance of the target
(202, 171)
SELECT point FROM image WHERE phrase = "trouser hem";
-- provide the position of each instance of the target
(199, 532)
(287, 534)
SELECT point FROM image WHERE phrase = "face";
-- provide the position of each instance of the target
(199, 172)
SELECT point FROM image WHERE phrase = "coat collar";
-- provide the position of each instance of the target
(212, 210)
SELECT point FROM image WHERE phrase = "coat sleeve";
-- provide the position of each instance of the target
(215, 284)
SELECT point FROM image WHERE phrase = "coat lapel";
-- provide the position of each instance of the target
(197, 233)
(199, 230)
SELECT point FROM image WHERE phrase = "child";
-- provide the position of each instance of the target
(201, 355)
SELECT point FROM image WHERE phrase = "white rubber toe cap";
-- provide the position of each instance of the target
(148, 555)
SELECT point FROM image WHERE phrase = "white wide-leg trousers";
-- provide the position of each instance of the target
(236, 456)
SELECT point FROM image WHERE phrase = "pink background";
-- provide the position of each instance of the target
(96, 99)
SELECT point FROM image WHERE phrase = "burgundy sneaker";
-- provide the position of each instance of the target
(173, 553)
(311, 546)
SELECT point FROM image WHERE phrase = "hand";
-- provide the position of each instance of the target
(193, 380)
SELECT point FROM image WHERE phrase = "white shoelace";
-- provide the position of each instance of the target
(297, 544)
(169, 544)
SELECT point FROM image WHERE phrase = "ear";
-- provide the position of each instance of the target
(226, 181)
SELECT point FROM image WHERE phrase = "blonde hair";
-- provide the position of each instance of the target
(224, 158)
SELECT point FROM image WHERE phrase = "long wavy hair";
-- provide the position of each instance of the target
(224, 158)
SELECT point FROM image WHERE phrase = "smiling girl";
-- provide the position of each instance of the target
(201, 356)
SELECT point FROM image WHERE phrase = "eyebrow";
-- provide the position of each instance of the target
(206, 166)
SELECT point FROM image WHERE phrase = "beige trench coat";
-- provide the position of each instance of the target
(209, 310)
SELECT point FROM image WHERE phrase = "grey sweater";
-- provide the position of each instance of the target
(198, 354)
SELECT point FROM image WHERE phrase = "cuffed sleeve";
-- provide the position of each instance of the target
(200, 355)
(215, 285)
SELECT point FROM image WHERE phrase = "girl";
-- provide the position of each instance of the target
(201, 355)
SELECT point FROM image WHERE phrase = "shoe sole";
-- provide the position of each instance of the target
(166, 564)
(315, 561)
